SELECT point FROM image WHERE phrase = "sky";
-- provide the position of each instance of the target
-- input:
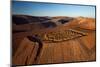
(51, 9)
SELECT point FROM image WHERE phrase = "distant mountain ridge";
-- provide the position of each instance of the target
(25, 22)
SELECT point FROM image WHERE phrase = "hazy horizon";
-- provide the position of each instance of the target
(51, 9)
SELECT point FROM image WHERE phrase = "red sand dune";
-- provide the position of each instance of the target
(87, 23)
(82, 48)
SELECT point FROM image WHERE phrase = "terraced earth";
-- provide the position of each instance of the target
(60, 36)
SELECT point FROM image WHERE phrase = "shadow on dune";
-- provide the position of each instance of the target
(38, 40)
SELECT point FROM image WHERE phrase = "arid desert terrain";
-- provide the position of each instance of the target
(46, 40)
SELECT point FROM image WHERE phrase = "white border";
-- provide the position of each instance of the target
(89, 2)
(4, 33)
